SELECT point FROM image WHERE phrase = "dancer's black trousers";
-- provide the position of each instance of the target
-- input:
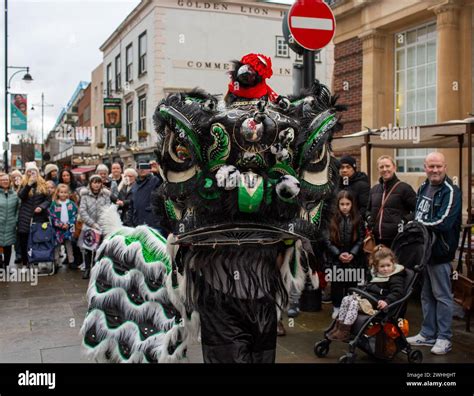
(237, 331)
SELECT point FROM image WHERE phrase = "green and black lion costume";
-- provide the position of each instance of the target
(247, 192)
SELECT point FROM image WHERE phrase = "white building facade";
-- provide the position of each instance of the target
(166, 46)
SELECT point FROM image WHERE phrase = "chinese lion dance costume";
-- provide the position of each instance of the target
(247, 192)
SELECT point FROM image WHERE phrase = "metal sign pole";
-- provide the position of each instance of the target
(297, 78)
(309, 68)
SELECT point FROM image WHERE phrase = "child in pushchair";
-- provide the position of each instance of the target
(386, 286)
(371, 318)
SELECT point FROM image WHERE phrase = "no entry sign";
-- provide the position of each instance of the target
(311, 24)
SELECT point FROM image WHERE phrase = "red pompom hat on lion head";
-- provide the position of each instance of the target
(252, 64)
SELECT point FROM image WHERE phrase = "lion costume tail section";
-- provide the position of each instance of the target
(136, 312)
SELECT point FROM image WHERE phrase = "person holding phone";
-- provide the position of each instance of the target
(16, 178)
(34, 206)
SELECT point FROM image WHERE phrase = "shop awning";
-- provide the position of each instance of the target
(83, 169)
(445, 135)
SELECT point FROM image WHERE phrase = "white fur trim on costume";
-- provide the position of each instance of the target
(131, 333)
(314, 279)
(170, 248)
(126, 245)
(293, 257)
(110, 220)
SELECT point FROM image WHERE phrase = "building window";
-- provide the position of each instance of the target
(129, 61)
(118, 73)
(415, 76)
(109, 79)
(281, 47)
(411, 160)
(142, 53)
(142, 113)
(129, 126)
(87, 114)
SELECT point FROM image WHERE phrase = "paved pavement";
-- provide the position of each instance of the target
(40, 324)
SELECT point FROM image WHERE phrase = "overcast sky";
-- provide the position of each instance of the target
(59, 40)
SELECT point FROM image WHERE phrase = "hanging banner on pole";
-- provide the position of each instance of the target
(112, 113)
(19, 108)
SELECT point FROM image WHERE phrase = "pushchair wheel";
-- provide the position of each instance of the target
(321, 348)
(415, 356)
(348, 358)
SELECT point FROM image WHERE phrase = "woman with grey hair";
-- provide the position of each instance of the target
(103, 171)
(125, 192)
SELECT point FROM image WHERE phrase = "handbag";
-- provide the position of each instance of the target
(369, 240)
(77, 229)
(90, 238)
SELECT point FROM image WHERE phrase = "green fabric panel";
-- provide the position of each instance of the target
(150, 254)
(248, 203)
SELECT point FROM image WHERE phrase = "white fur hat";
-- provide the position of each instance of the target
(31, 166)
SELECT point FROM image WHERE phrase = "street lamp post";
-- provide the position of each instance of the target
(27, 77)
(43, 105)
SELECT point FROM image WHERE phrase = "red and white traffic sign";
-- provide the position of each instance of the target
(311, 24)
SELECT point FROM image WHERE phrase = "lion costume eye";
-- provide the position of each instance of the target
(317, 172)
(177, 148)
(180, 166)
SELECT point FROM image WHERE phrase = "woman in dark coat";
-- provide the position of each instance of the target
(34, 205)
(391, 203)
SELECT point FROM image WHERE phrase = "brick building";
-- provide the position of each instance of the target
(406, 66)
(347, 83)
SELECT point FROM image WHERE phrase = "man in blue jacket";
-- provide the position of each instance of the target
(438, 207)
(141, 212)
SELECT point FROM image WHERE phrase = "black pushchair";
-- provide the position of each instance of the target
(381, 335)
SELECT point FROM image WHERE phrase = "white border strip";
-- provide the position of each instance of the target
(311, 23)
